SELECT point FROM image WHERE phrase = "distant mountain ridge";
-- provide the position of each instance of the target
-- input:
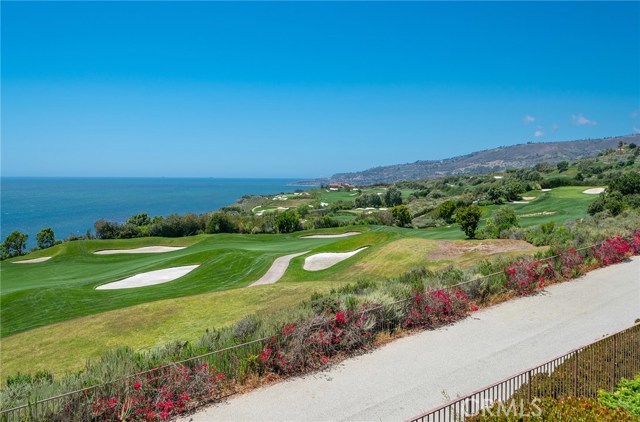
(487, 161)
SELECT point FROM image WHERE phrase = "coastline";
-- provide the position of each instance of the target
(71, 205)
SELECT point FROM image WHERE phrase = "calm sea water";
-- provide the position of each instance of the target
(73, 205)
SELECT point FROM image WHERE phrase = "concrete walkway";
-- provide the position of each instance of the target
(409, 375)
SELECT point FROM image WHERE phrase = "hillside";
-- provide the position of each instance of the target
(487, 161)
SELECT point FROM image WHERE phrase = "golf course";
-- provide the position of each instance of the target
(54, 316)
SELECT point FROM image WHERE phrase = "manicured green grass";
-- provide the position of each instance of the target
(65, 346)
(566, 203)
(62, 288)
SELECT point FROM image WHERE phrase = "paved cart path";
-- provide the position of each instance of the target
(407, 376)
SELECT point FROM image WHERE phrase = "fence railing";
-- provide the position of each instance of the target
(230, 361)
(579, 373)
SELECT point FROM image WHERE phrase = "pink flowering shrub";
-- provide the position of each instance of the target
(525, 276)
(570, 262)
(160, 394)
(635, 243)
(612, 250)
(311, 344)
(437, 307)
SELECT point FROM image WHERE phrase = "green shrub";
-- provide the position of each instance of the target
(626, 395)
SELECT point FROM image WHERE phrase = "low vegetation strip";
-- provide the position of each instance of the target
(338, 326)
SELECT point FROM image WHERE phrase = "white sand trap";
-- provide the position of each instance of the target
(322, 261)
(528, 198)
(329, 236)
(277, 269)
(33, 261)
(593, 191)
(545, 190)
(149, 279)
(519, 202)
(146, 249)
(538, 214)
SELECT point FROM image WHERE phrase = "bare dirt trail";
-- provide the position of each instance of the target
(406, 377)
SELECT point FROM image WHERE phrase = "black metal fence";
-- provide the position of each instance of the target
(579, 373)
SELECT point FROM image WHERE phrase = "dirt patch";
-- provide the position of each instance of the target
(449, 249)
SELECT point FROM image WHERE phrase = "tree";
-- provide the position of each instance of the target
(14, 244)
(401, 215)
(627, 184)
(139, 220)
(543, 167)
(468, 218)
(446, 210)
(563, 166)
(46, 238)
(503, 218)
(513, 188)
(632, 145)
(287, 222)
(106, 229)
(495, 195)
(220, 223)
(392, 197)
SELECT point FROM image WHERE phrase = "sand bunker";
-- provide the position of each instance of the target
(277, 269)
(329, 236)
(519, 202)
(538, 214)
(33, 261)
(593, 191)
(545, 190)
(322, 261)
(149, 279)
(146, 249)
(528, 198)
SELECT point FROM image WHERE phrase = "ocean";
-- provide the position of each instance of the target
(73, 205)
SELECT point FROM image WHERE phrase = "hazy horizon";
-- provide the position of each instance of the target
(304, 90)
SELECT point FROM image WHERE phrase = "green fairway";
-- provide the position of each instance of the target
(62, 288)
(558, 205)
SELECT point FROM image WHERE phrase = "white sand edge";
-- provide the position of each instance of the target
(325, 260)
(145, 249)
(277, 269)
(149, 278)
(33, 261)
(329, 236)
(593, 191)
(545, 190)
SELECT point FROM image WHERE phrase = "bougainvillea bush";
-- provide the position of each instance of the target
(612, 250)
(528, 275)
(160, 394)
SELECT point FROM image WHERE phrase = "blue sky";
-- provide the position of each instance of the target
(210, 89)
